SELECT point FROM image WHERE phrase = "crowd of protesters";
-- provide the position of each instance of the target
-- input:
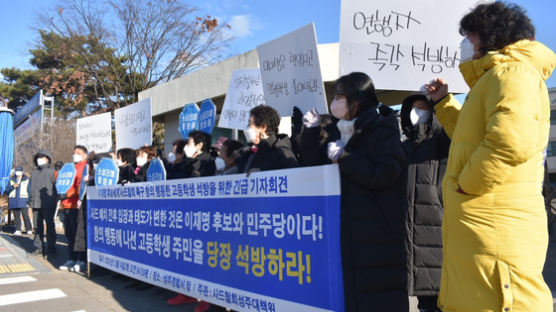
(475, 240)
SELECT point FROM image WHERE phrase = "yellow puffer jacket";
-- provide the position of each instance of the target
(495, 236)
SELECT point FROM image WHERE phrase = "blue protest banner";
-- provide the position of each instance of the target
(207, 116)
(156, 171)
(188, 119)
(269, 241)
(106, 172)
(66, 175)
(84, 182)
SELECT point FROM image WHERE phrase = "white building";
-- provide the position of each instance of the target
(212, 82)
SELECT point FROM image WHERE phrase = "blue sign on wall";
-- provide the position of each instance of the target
(156, 171)
(66, 175)
(84, 182)
(189, 119)
(106, 172)
(207, 116)
(266, 242)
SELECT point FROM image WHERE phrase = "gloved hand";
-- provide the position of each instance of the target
(311, 119)
(335, 150)
(62, 197)
(297, 122)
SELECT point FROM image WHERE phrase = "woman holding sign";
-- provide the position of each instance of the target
(494, 228)
(366, 146)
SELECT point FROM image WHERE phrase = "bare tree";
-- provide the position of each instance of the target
(141, 43)
(56, 141)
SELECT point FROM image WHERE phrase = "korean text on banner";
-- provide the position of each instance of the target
(65, 178)
(244, 93)
(290, 72)
(95, 132)
(207, 116)
(266, 242)
(106, 172)
(189, 119)
(134, 125)
(403, 44)
(156, 171)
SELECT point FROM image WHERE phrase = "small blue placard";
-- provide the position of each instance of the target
(66, 175)
(189, 119)
(207, 116)
(156, 171)
(106, 172)
(83, 186)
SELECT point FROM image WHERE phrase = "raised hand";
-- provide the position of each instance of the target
(437, 89)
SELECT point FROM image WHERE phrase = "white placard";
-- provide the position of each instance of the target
(134, 125)
(290, 72)
(403, 44)
(95, 132)
(244, 93)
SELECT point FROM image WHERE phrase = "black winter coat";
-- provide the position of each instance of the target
(273, 153)
(126, 174)
(426, 149)
(201, 166)
(43, 190)
(373, 208)
(177, 170)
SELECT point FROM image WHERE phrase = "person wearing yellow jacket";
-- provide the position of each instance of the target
(494, 229)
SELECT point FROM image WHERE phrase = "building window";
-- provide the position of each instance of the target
(551, 149)
(553, 117)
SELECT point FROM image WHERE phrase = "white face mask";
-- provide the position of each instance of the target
(18, 173)
(119, 162)
(220, 164)
(250, 135)
(467, 51)
(339, 108)
(77, 158)
(171, 157)
(419, 116)
(189, 151)
(141, 161)
(42, 161)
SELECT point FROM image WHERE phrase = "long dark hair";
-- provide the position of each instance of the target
(358, 88)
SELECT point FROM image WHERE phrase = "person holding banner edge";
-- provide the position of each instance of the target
(494, 228)
(70, 208)
(366, 146)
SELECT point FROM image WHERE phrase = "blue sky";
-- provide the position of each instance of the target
(253, 22)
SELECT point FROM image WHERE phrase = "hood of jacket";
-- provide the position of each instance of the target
(43, 152)
(534, 53)
(420, 132)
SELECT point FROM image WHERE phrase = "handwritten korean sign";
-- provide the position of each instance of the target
(403, 44)
(95, 132)
(290, 72)
(244, 93)
(134, 125)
